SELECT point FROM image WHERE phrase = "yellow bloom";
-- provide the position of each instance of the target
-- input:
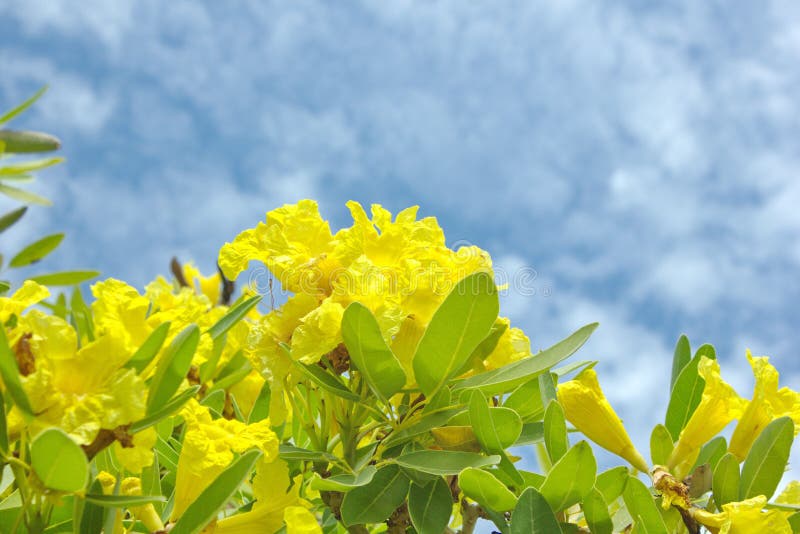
(586, 407)
(744, 517)
(29, 294)
(146, 513)
(719, 405)
(120, 308)
(136, 458)
(278, 503)
(208, 448)
(513, 345)
(319, 332)
(205, 285)
(768, 403)
(790, 494)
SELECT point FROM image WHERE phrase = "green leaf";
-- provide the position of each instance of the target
(526, 400)
(370, 353)
(28, 166)
(424, 424)
(642, 507)
(571, 477)
(484, 488)
(685, 396)
(93, 517)
(377, 500)
(8, 219)
(555, 432)
(611, 483)
(148, 350)
(122, 501)
(172, 368)
(661, 445)
(58, 461)
(345, 482)
(458, 326)
(430, 505)
(10, 373)
(444, 462)
(4, 287)
(22, 195)
(233, 316)
(765, 463)
(28, 142)
(260, 410)
(595, 511)
(175, 404)
(326, 380)
(206, 506)
(7, 116)
(209, 367)
(680, 359)
(725, 483)
(64, 278)
(514, 374)
(3, 429)
(711, 452)
(290, 452)
(533, 515)
(531, 433)
(495, 428)
(36, 251)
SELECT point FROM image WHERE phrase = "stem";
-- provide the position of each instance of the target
(469, 514)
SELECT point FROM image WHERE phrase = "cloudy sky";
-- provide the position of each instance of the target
(642, 160)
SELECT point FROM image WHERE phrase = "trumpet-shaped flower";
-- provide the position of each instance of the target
(513, 345)
(768, 403)
(719, 405)
(586, 407)
(145, 513)
(744, 517)
(209, 286)
(208, 448)
(29, 294)
(278, 504)
(790, 494)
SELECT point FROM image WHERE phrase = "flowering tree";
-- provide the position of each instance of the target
(384, 395)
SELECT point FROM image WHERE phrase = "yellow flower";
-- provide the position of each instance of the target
(744, 517)
(719, 405)
(278, 504)
(586, 407)
(140, 455)
(513, 345)
(768, 403)
(208, 448)
(204, 285)
(118, 307)
(790, 494)
(29, 294)
(319, 332)
(146, 513)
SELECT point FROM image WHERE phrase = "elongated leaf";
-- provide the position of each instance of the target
(3, 429)
(122, 501)
(377, 500)
(345, 482)
(148, 350)
(456, 438)
(533, 515)
(28, 166)
(661, 445)
(526, 400)
(175, 404)
(64, 278)
(685, 396)
(36, 251)
(571, 477)
(765, 463)
(290, 452)
(172, 368)
(642, 507)
(458, 326)
(712, 452)
(611, 483)
(514, 374)
(444, 462)
(7, 116)
(27, 142)
(495, 428)
(370, 353)
(531, 433)
(58, 461)
(326, 380)
(424, 424)
(260, 410)
(681, 357)
(93, 516)
(8, 219)
(23, 196)
(4, 286)
(233, 316)
(555, 432)
(725, 483)
(484, 488)
(595, 511)
(430, 505)
(209, 367)
(205, 508)
(10, 373)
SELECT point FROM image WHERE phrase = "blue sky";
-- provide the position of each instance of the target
(642, 158)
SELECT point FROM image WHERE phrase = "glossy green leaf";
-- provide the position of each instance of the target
(28, 166)
(680, 359)
(122, 501)
(233, 316)
(64, 278)
(326, 380)
(556, 441)
(344, 482)
(17, 110)
(484, 488)
(456, 329)
(526, 400)
(370, 353)
(531, 433)
(4, 287)
(174, 404)
(212, 499)
(172, 368)
(711, 452)
(93, 516)
(23, 196)
(725, 483)
(766, 462)
(8, 219)
(642, 506)
(685, 397)
(611, 483)
(377, 500)
(58, 461)
(595, 511)
(28, 142)
(444, 462)
(36, 251)
(3, 430)
(430, 505)
(149, 349)
(533, 515)
(661, 445)
(10, 373)
(260, 410)
(571, 477)
(290, 452)
(424, 424)
(510, 376)
(495, 428)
